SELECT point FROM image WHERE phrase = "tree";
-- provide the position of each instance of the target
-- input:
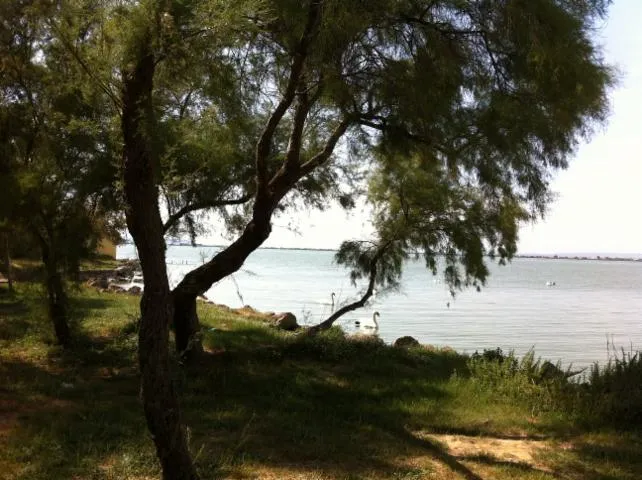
(488, 97)
(159, 36)
(56, 146)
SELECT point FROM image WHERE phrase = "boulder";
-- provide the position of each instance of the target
(406, 342)
(135, 290)
(114, 287)
(100, 282)
(285, 321)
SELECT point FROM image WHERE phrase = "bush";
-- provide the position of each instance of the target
(333, 345)
(541, 385)
(612, 394)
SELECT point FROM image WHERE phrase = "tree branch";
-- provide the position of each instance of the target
(296, 70)
(293, 154)
(102, 85)
(321, 157)
(175, 217)
(326, 324)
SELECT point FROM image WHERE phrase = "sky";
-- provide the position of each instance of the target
(598, 208)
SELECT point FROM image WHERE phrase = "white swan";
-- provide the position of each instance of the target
(375, 315)
(331, 303)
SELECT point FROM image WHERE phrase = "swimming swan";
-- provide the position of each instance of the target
(331, 303)
(375, 315)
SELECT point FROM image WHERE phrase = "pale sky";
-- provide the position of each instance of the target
(598, 209)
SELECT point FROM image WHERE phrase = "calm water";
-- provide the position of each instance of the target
(569, 322)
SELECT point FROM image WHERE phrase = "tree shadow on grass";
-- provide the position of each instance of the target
(330, 405)
(264, 400)
(13, 324)
(65, 418)
(618, 456)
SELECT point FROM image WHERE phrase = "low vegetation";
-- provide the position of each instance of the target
(269, 404)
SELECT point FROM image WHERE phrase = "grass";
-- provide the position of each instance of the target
(267, 404)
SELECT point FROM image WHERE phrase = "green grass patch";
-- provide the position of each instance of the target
(270, 404)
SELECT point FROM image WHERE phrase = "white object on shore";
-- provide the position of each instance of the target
(550, 284)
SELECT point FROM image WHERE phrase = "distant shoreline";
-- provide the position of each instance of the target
(599, 258)
(579, 257)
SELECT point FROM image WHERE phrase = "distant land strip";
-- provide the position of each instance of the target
(593, 257)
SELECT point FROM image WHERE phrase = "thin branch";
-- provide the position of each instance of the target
(321, 157)
(102, 85)
(184, 104)
(175, 217)
(326, 324)
(293, 153)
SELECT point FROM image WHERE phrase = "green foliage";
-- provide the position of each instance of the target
(613, 393)
(360, 256)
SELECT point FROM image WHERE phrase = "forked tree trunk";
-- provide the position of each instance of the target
(269, 191)
(56, 296)
(159, 398)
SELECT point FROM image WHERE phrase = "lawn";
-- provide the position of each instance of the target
(267, 404)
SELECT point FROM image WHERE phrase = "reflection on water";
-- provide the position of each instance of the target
(516, 310)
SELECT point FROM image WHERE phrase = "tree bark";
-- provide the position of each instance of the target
(199, 280)
(57, 298)
(7, 259)
(159, 398)
(187, 327)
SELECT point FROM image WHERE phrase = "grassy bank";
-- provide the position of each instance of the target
(269, 405)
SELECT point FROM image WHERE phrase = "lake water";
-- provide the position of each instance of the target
(592, 301)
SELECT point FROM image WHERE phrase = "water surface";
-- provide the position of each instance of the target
(591, 301)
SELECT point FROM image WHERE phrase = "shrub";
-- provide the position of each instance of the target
(612, 394)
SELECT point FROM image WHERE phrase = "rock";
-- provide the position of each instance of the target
(99, 282)
(406, 342)
(135, 290)
(114, 287)
(285, 321)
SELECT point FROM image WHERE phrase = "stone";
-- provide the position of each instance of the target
(135, 290)
(114, 287)
(406, 342)
(285, 321)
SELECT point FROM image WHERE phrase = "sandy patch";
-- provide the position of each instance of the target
(504, 450)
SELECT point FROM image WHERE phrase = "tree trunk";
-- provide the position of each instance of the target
(57, 297)
(159, 398)
(199, 280)
(7, 259)
(187, 327)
